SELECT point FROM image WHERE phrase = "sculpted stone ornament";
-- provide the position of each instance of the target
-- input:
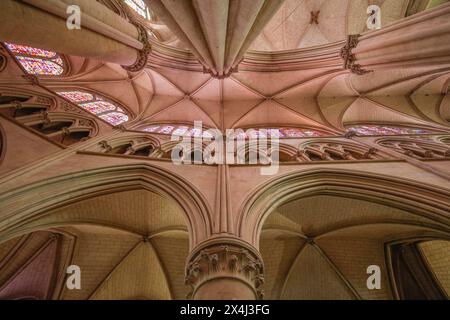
(314, 17)
(120, 127)
(226, 260)
(16, 104)
(349, 58)
(143, 54)
(105, 145)
(70, 108)
(34, 80)
(370, 152)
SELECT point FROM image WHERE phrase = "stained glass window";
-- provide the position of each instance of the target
(37, 61)
(98, 105)
(175, 129)
(77, 96)
(35, 52)
(140, 7)
(380, 130)
(191, 131)
(281, 133)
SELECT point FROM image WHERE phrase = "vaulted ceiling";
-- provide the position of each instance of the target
(323, 98)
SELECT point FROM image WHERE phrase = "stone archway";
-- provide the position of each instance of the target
(322, 230)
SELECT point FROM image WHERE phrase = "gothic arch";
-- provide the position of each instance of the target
(23, 99)
(65, 190)
(130, 144)
(63, 128)
(335, 150)
(309, 225)
(417, 148)
(419, 200)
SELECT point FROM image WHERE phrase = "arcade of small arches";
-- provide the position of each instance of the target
(87, 135)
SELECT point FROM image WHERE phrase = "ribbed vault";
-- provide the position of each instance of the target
(126, 250)
(322, 252)
(218, 32)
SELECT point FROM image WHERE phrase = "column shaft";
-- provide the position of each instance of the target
(106, 37)
(422, 40)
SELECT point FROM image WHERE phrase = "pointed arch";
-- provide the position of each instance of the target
(60, 191)
(417, 198)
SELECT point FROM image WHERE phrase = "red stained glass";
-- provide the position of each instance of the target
(37, 61)
(35, 52)
(77, 96)
(375, 130)
(98, 105)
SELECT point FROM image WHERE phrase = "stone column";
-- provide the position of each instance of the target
(104, 35)
(225, 269)
(422, 40)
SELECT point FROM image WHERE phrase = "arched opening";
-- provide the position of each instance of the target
(131, 239)
(324, 230)
(19, 105)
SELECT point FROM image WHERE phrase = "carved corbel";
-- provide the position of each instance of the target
(106, 146)
(349, 58)
(143, 54)
(45, 117)
(371, 152)
(221, 76)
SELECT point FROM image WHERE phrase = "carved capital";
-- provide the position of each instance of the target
(105, 145)
(225, 259)
(70, 108)
(371, 152)
(143, 54)
(221, 76)
(349, 58)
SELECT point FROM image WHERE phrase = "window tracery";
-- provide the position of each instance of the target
(335, 151)
(97, 105)
(384, 130)
(62, 128)
(418, 149)
(16, 105)
(37, 61)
